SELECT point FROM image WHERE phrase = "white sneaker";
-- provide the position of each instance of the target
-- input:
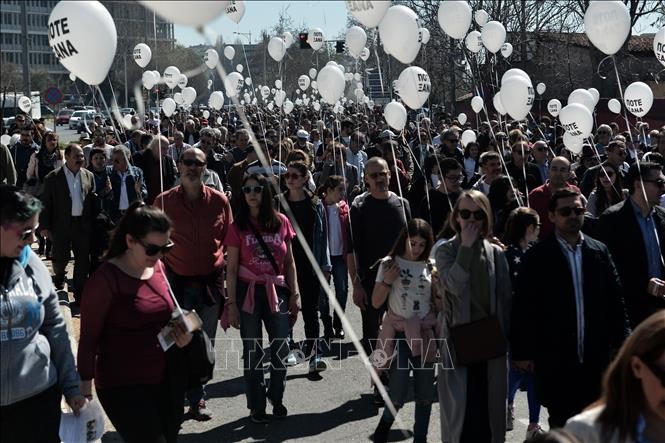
(291, 359)
(510, 418)
(532, 432)
(317, 364)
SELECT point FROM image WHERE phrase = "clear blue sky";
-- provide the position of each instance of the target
(330, 16)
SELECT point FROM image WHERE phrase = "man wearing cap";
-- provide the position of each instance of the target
(303, 142)
(587, 160)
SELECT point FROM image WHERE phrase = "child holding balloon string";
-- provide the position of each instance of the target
(406, 342)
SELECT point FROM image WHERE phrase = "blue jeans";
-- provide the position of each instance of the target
(515, 378)
(423, 377)
(340, 275)
(251, 331)
(195, 298)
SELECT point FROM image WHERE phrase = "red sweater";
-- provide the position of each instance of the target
(120, 319)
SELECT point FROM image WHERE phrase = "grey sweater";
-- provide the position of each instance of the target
(34, 344)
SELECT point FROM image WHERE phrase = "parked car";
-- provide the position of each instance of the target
(63, 116)
(86, 115)
(125, 111)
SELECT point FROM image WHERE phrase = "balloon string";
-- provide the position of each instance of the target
(541, 133)
(599, 66)
(378, 62)
(249, 72)
(154, 29)
(115, 101)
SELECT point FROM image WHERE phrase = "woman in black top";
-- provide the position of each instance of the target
(503, 199)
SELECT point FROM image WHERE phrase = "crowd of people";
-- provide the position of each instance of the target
(540, 267)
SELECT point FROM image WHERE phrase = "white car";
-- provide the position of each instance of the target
(86, 114)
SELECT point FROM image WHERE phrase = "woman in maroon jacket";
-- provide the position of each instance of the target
(332, 192)
(125, 305)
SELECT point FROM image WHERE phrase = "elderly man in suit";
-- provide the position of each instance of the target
(68, 198)
(568, 315)
(634, 230)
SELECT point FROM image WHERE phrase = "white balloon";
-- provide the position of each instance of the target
(583, 97)
(168, 107)
(573, 143)
(233, 84)
(171, 76)
(540, 88)
(414, 87)
(496, 101)
(192, 13)
(248, 81)
(348, 76)
(331, 83)
(219, 120)
(25, 104)
(278, 84)
(477, 103)
(265, 92)
(235, 10)
(229, 52)
(576, 119)
(614, 105)
(355, 40)
(517, 96)
(467, 137)
(276, 48)
(288, 39)
(638, 98)
(182, 83)
(364, 54)
(317, 106)
(506, 50)
(554, 107)
(359, 94)
(271, 105)
(473, 41)
(455, 17)
(424, 35)
(148, 79)
(216, 100)
(659, 45)
(206, 114)
(481, 17)
(127, 121)
(303, 82)
(607, 24)
(315, 38)
(595, 94)
(72, 77)
(395, 115)
(189, 95)
(142, 54)
(70, 27)
(211, 58)
(177, 97)
(399, 33)
(312, 73)
(369, 13)
(239, 68)
(314, 85)
(288, 106)
(493, 36)
(512, 72)
(462, 118)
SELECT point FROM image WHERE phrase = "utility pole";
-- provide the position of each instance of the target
(26, 42)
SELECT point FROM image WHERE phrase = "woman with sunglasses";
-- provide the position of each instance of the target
(522, 229)
(37, 362)
(126, 305)
(607, 190)
(262, 289)
(308, 212)
(632, 404)
(474, 276)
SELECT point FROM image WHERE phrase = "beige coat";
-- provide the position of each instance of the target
(586, 428)
(454, 282)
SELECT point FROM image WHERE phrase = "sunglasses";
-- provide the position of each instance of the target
(152, 250)
(25, 234)
(659, 182)
(657, 371)
(466, 214)
(289, 176)
(567, 210)
(252, 189)
(191, 162)
(375, 175)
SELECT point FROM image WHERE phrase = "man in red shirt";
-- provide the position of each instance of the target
(539, 198)
(201, 217)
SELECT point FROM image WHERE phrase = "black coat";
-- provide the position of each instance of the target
(544, 321)
(619, 230)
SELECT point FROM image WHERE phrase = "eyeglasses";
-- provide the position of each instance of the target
(252, 189)
(289, 176)
(455, 178)
(375, 175)
(659, 182)
(191, 162)
(657, 371)
(567, 210)
(25, 234)
(152, 250)
(477, 214)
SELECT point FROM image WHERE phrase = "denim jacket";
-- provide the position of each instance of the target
(135, 174)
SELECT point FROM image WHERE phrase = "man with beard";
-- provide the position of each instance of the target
(99, 142)
(21, 153)
(568, 315)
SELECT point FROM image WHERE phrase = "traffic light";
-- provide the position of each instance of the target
(339, 47)
(302, 37)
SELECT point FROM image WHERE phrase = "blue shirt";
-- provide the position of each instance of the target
(574, 258)
(651, 240)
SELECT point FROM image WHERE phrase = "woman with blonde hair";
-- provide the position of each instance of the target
(632, 406)
(475, 281)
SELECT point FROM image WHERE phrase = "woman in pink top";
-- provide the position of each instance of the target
(126, 303)
(262, 288)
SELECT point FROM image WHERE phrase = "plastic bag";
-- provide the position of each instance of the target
(87, 427)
